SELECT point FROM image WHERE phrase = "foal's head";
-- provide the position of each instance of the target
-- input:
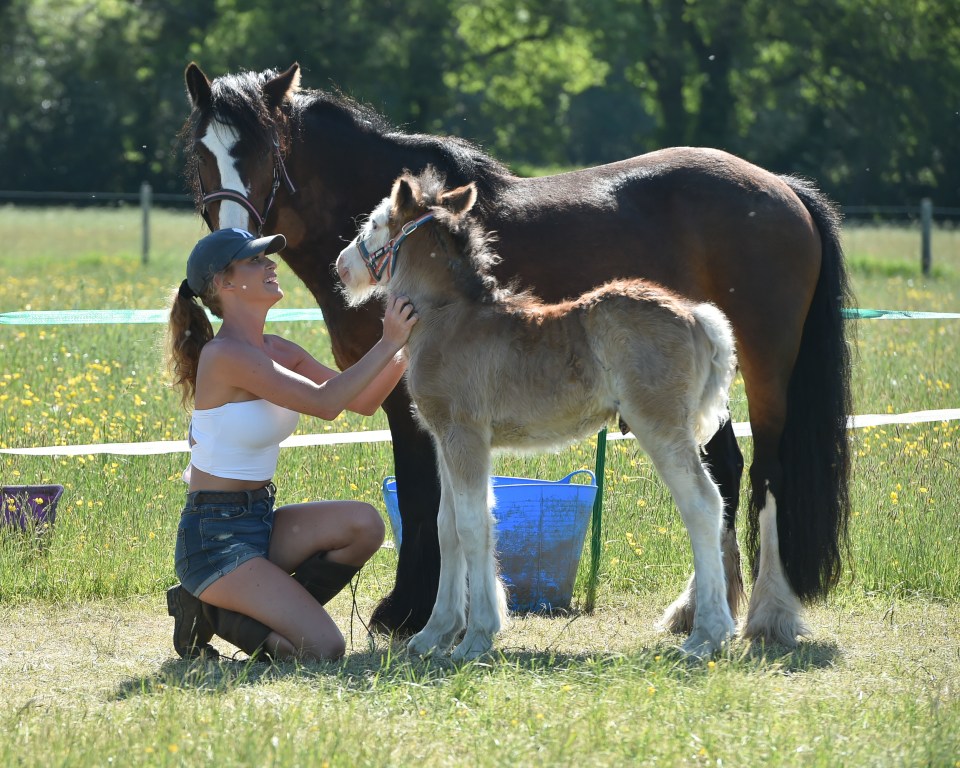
(421, 239)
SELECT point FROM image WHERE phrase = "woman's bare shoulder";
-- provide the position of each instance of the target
(223, 349)
(287, 353)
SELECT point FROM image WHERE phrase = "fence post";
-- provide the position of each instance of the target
(596, 521)
(146, 196)
(926, 220)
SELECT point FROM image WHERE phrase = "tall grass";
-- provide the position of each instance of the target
(71, 384)
(112, 542)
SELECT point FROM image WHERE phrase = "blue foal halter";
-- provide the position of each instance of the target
(383, 261)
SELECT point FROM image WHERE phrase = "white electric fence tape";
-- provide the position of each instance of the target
(741, 429)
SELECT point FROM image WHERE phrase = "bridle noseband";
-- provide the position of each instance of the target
(383, 260)
(232, 195)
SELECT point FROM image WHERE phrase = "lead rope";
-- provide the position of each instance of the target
(355, 611)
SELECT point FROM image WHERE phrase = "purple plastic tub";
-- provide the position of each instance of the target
(30, 507)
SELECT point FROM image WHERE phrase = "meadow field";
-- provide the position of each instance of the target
(88, 675)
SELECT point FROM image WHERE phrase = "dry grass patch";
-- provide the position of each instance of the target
(877, 685)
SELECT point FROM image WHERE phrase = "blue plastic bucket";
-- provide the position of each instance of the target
(541, 526)
(29, 507)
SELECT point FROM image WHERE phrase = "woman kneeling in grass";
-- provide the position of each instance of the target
(254, 575)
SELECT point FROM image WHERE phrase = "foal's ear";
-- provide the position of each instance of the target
(460, 200)
(405, 194)
(198, 86)
(284, 84)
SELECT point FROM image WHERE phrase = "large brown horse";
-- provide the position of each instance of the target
(266, 155)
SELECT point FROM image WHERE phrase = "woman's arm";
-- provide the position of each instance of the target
(373, 396)
(297, 359)
(248, 368)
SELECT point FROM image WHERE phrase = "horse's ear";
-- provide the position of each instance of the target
(198, 86)
(405, 194)
(460, 200)
(284, 84)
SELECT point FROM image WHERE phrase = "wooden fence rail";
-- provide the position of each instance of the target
(146, 198)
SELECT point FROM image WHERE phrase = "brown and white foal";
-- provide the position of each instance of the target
(492, 369)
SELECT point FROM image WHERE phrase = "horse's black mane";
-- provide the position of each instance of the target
(237, 99)
(464, 158)
(338, 104)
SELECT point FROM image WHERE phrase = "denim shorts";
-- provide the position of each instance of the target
(219, 531)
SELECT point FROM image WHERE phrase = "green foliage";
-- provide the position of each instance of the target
(86, 103)
(525, 62)
(861, 96)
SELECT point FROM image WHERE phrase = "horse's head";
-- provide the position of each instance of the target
(235, 138)
(369, 264)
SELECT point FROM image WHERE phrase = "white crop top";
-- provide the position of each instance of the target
(240, 440)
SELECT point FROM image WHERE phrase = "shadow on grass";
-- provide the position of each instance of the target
(390, 665)
(807, 656)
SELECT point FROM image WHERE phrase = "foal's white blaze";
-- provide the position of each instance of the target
(775, 611)
(220, 139)
(356, 278)
(374, 229)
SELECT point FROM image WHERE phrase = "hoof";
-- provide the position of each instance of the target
(775, 614)
(422, 644)
(700, 646)
(461, 658)
(474, 645)
(783, 629)
(393, 617)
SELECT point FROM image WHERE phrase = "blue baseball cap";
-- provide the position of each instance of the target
(219, 249)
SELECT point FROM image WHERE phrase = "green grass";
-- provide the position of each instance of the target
(85, 661)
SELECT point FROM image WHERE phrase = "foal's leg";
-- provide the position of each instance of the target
(488, 600)
(724, 462)
(678, 618)
(701, 507)
(467, 462)
(448, 617)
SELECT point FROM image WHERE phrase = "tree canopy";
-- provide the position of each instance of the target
(861, 95)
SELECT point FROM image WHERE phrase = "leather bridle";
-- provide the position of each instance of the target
(279, 175)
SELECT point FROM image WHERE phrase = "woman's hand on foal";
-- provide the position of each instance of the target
(399, 320)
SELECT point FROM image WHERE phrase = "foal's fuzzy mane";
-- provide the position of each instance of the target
(474, 256)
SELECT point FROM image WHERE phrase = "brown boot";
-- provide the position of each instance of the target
(248, 634)
(191, 630)
(324, 578)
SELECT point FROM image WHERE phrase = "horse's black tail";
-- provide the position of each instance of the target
(814, 504)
